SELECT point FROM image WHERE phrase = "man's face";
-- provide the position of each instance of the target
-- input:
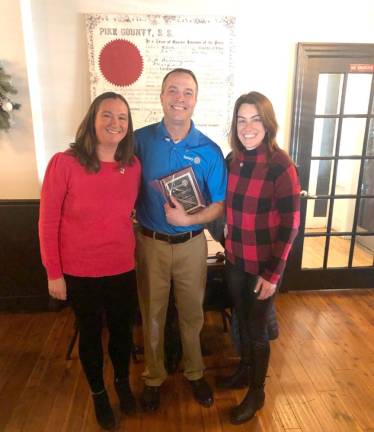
(178, 98)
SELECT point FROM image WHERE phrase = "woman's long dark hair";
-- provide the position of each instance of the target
(84, 147)
(267, 115)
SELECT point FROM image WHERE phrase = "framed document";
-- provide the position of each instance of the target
(183, 186)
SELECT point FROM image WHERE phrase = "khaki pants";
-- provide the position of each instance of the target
(159, 262)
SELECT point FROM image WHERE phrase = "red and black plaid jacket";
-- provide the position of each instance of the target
(262, 212)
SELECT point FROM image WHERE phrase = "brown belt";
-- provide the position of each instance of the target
(177, 238)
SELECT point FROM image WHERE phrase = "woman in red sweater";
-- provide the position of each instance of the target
(262, 216)
(87, 241)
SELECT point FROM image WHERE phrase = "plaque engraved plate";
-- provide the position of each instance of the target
(183, 186)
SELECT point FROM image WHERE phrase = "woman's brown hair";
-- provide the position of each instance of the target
(84, 147)
(267, 115)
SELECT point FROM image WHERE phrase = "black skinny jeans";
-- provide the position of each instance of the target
(91, 299)
(252, 313)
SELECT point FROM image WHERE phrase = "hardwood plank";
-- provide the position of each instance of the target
(82, 415)
(12, 346)
(22, 357)
(63, 401)
(357, 393)
(275, 392)
(320, 377)
(343, 420)
(342, 337)
(325, 380)
(299, 390)
(45, 375)
(305, 415)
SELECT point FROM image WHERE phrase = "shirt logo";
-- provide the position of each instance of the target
(196, 160)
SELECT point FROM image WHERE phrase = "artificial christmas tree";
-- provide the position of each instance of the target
(6, 104)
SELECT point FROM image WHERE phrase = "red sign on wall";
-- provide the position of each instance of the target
(361, 67)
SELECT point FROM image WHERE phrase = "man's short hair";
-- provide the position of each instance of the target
(179, 70)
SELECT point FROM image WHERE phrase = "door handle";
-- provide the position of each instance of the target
(306, 194)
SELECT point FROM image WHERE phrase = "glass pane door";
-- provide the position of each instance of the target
(333, 146)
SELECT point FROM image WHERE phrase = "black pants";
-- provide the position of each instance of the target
(93, 298)
(252, 313)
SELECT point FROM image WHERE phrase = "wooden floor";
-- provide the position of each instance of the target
(314, 249)
(321, 377)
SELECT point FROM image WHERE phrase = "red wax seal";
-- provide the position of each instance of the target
(120, 62)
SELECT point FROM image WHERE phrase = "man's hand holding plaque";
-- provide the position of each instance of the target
(182, 185)
(176, 214)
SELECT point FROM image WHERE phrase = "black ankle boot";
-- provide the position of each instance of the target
(253, 401)
(103, 410)
(125, 396)
(239, 379)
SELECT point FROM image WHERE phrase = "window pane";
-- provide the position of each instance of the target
(357, 94)
(320, 177)
(313, 252)
(329, 93)
(352, 136)
(324, 136)
(338, 254)
(347, 177)
(343, 214)
(363, 255)
(317, 211)
(370, 146)
(365, 220)
(367, 187)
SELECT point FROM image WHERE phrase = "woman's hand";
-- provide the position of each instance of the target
(57, 288)
(264, 288)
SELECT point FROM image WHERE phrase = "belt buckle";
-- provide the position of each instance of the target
(179, 238)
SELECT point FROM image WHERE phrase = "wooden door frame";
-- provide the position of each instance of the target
(306, 52)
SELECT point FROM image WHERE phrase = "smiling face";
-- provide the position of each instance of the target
(178, 99)
(111, 123)
(249, 126)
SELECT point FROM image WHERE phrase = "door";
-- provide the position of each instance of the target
(333, 147)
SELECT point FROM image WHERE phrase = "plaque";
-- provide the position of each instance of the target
(183, 186)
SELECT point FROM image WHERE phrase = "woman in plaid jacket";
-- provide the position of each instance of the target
(262, 215)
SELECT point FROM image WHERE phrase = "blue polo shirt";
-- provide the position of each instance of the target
(160, 156)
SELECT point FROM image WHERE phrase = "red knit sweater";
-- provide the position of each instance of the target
(85, 225)
(262, 212)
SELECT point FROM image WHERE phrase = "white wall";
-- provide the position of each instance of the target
(18, 173)
(267, 34)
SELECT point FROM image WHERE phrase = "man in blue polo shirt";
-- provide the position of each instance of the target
(171, 244)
